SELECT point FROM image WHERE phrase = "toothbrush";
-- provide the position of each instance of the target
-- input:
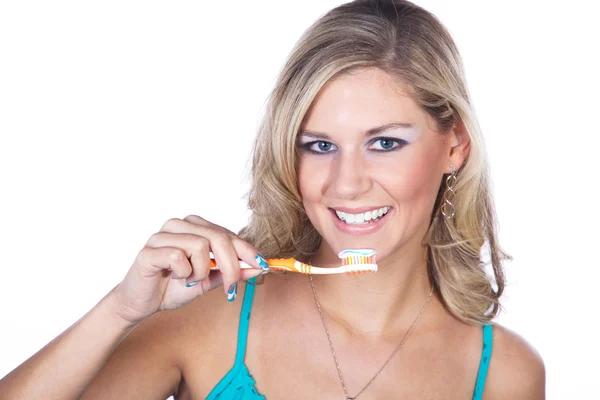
(354, 261)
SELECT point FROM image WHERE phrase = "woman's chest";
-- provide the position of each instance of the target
(301, 365)
(308, 369)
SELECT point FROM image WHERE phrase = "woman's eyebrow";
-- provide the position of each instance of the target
(368, 133)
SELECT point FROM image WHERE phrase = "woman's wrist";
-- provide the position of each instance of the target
(113, 310)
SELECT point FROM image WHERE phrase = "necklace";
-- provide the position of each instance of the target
(337, 364)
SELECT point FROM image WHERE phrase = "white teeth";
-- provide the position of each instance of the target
(362, 218)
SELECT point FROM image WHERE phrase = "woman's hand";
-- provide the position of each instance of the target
(177, 255)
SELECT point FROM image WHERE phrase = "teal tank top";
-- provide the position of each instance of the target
(238, 384)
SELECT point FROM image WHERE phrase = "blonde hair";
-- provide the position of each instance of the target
(409, 43)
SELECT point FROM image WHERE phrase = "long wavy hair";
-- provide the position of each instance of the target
(409, 43)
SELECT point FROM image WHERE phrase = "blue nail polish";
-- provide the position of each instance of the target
(232, 293)
(262, 263)
(190, 284)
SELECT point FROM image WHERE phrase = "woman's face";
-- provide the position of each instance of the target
(366, 148)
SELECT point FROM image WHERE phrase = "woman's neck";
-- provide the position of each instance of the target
(382, 303)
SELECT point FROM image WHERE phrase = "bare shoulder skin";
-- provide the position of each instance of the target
(176, 352)
(516, 369)
(208, 341)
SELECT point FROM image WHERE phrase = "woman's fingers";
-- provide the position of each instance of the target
(196, 249)
(226, 247)
(164, 258)
(227, 260)
(244, 250)
(141, 293)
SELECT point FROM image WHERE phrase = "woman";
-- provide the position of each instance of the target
(369, 141)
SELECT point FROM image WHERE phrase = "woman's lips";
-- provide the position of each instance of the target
(360, 229)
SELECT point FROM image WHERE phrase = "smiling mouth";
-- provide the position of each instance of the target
(362, 218)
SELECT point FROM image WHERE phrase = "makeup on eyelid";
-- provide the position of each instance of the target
(407, 134)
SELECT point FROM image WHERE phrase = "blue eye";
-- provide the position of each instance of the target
(382, 144)
(321, 147)
(324, 146)
(387, 144)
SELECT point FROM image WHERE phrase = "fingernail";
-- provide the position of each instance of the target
(232, 292)
(262, 263)
(190, 284)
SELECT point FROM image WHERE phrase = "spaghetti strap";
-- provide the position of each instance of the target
(484, 363)
(244, 321)
(238, 383)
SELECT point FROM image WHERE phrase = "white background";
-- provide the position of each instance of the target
(117, 115)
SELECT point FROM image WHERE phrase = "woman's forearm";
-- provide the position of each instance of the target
(66, 365)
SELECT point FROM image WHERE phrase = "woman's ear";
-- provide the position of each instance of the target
(460, 146)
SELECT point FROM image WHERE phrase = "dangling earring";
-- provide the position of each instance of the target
(448, 209)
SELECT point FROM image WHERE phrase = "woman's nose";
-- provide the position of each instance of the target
(350, 176)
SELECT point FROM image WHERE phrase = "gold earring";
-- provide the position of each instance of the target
(448, 209)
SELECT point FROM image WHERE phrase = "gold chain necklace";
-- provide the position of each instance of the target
(337, 364)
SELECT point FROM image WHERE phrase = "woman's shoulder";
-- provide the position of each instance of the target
(203, 323)
(516, 369)
(205, 331)
(173, 345)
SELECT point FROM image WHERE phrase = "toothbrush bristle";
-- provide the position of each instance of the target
(358, 259)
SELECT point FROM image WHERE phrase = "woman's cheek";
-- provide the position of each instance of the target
(415, 180)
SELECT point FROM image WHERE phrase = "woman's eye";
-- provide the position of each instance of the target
(383, 144)
(319, 146)
(379, 144)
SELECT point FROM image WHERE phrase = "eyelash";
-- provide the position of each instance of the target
(401, 143)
